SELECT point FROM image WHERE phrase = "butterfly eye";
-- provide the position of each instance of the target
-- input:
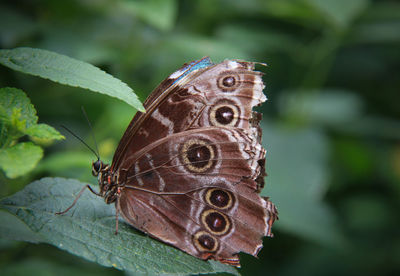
(96, 167)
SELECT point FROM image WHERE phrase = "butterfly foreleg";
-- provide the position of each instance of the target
(77, 197)
(117, 210)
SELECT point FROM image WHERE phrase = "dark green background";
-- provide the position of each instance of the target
(331, 123)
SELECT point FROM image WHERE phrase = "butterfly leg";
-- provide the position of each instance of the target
(117, 210)
(77, 197)
(116, 220)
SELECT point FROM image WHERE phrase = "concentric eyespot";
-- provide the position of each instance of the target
(215, 222)
(219, 198)
(228, 81)
(198, 155)
(204, 242)
(224, 114)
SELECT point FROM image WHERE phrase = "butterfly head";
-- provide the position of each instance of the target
(97, 167)
(108, 188)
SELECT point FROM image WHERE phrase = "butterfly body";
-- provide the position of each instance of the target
(189, 171)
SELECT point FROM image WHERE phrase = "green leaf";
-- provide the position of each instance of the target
(16, 229)
(16, 107)
(43, 132)
(69, 71)
(297, 181)
(88, 231)
(20, 159)
(18, 118)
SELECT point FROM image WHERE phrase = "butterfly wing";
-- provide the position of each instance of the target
(191, 167)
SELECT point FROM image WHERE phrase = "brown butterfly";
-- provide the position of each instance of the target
(189, 171)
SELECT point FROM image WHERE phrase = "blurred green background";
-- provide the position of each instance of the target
(331, 125)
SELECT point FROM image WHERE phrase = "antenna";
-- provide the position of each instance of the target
(91, 132)
(77, 137)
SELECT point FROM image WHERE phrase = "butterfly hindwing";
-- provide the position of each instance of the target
(195, 180)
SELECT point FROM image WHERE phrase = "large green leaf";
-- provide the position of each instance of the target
(69, 71)
(88, 231)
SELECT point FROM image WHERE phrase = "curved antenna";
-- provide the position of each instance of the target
(91, 131)
(77, 137)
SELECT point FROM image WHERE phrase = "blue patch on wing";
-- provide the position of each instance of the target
(193, 66)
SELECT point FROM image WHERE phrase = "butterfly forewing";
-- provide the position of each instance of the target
(148, 127)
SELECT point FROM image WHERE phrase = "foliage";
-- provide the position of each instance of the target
(18, 118)
(331, 125)
(69, 71)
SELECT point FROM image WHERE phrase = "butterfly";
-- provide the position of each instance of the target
(189, 171)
